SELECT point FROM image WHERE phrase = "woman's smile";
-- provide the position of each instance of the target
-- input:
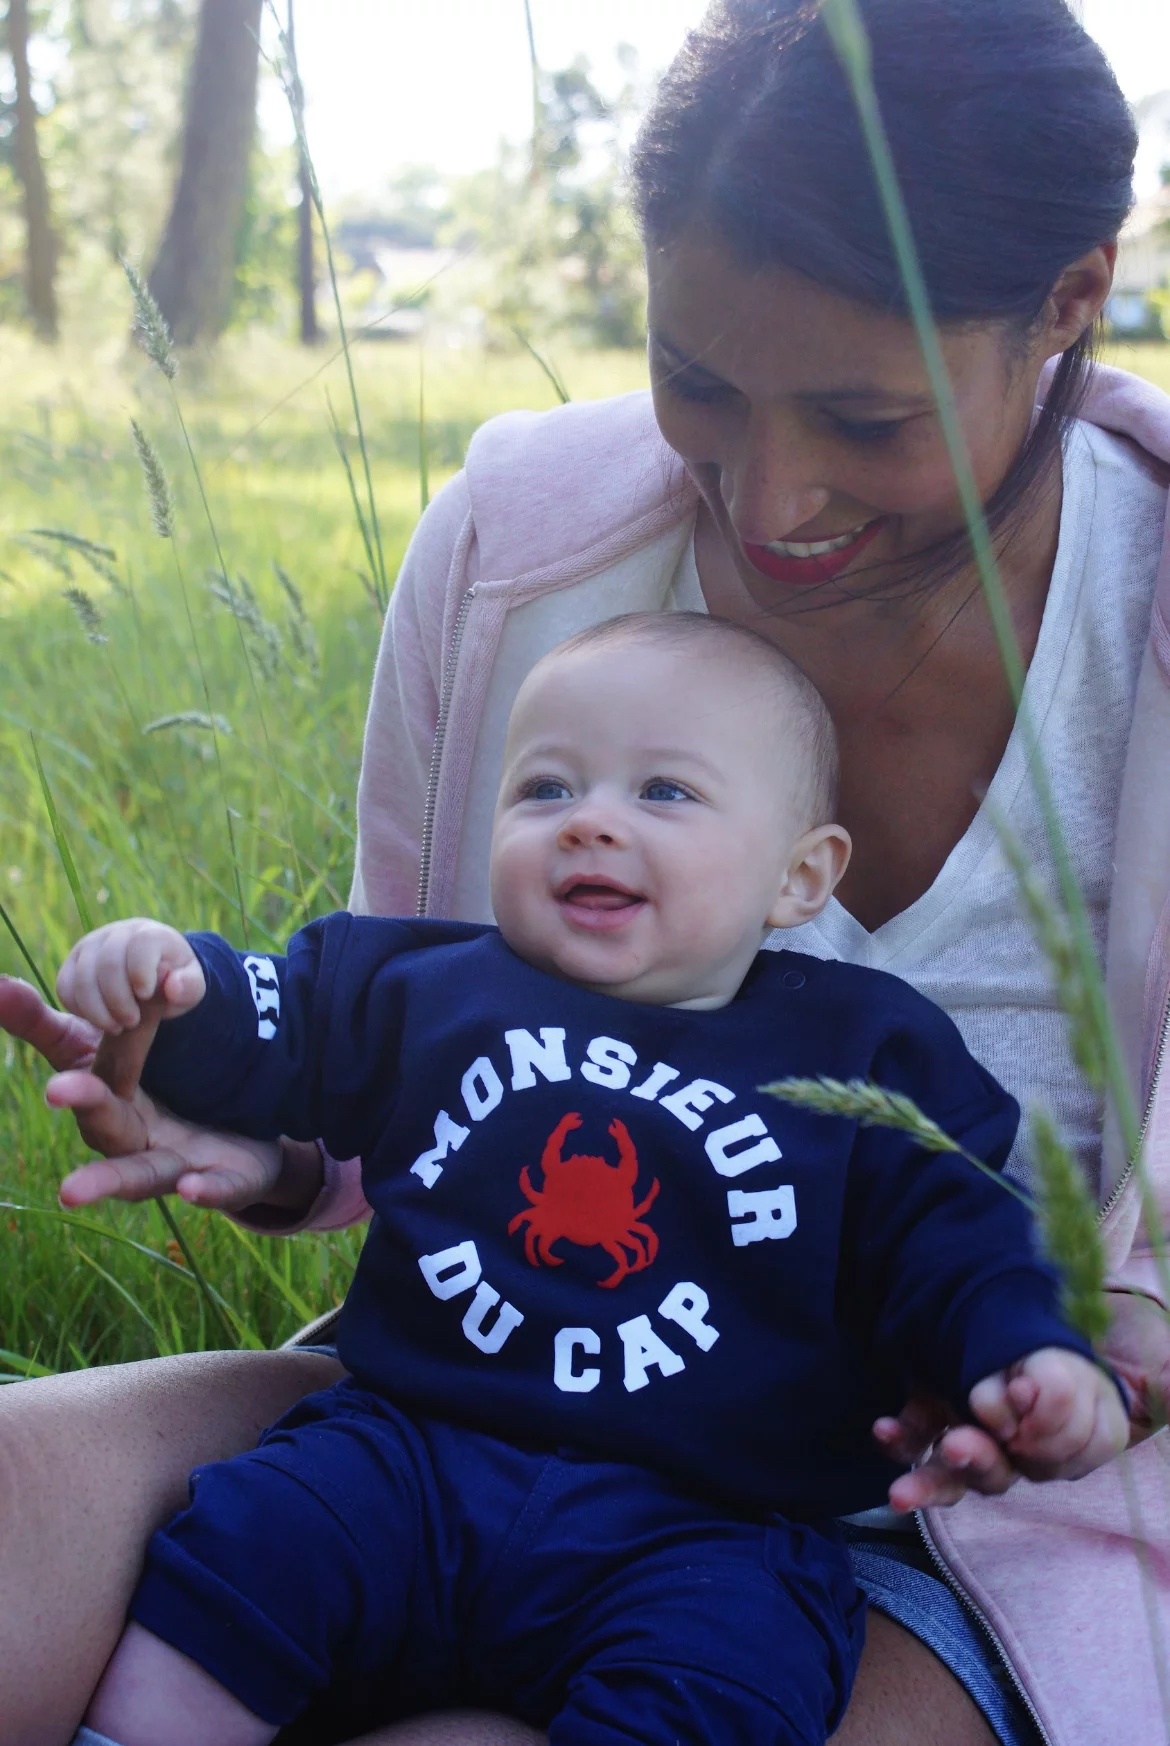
(800, 562)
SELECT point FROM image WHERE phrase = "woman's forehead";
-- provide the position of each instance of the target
(777, 327)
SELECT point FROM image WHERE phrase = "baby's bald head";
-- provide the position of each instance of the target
(796, 730)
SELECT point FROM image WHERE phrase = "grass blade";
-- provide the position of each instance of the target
(34, 968)
(83, 908)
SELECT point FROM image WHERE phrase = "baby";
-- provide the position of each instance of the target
(622, 1323)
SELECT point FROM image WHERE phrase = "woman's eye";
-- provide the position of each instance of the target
(701, 390)
(698, 393)
(545, 788)
(661, 789)
(878, 430)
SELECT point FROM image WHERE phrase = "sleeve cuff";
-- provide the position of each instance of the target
(1001, 1322)
(339, 1203)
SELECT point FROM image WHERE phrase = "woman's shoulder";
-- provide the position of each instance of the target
(1133, 409)
(547, 486)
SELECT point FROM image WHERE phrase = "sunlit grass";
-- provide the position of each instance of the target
(142, 812)
(141, 805)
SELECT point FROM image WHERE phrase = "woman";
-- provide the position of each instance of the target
(792, 475)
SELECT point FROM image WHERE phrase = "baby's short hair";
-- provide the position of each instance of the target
(699, 632)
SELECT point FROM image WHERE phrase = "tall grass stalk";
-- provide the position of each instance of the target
(290, 80)
(152, 331)
(847, 28)
(162, 513)
(872, 1106)
(33, 966)
(1093, 1030)
(555, 379)
(85, 914)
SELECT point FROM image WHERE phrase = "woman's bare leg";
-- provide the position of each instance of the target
(455, 1728)
(904, 1696)
(90, 1464)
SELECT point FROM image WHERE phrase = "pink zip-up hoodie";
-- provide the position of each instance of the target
(1072, 1580)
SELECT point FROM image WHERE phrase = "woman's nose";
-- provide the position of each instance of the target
(770, 488)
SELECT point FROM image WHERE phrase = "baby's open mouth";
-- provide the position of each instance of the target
(597, 895)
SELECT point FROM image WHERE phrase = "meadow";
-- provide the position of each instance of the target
(195, 706)
(180, 730)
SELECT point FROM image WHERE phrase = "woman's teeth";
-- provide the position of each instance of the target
(814, 548)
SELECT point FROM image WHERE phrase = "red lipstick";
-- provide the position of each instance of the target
(801, 572)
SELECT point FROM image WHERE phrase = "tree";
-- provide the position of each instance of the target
(41, 245)
(555, 250)
(194, 273)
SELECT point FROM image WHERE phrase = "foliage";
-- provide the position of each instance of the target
(552, 245)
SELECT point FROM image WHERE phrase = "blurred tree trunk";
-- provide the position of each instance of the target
(194, 273)
(41, 245)
(306, 264)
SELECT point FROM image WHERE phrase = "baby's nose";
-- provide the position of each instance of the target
(586, 826)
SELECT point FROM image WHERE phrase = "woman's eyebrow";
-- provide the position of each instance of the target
(865, 397)
(861, 395)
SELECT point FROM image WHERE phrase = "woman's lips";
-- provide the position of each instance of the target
(598, 906)
(816, 566)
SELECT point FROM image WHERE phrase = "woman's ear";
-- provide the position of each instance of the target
(1078, 297)
(815, 868)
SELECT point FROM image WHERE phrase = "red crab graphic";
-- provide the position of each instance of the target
(587, 1201)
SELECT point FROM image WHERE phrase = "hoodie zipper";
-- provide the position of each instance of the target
(932, 1550)
(1131, 1165)
(981, 1618)
(446, 689)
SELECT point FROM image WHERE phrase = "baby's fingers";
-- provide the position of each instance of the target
(992, 1403)
(79, 989)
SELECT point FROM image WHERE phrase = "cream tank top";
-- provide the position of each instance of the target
(966, 943)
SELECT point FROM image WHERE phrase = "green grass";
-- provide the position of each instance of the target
(145, 815)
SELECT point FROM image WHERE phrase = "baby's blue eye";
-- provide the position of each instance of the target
(546, 788)
(661, 789)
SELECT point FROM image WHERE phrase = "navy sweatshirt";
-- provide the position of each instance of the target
(592, 1229)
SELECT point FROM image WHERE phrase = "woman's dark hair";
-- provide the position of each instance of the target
(1013, 143)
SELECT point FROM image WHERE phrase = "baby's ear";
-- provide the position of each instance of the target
(815, 868)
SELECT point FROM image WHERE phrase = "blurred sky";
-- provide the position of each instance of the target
(442, 81)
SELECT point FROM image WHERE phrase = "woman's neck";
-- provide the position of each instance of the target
(917, 691)
(913, 636)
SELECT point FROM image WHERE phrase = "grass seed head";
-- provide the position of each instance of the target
(861, 1101)
(1068, 1226)
(150, 328)
(88, 613)
(162, 504)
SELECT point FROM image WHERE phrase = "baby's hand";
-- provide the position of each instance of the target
(111, 973)
(1057, 1415)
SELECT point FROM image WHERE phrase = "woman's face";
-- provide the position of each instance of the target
(808, 419)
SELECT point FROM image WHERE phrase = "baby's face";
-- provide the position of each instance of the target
(646, 822)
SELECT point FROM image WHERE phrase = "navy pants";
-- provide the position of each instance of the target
(359, 1566)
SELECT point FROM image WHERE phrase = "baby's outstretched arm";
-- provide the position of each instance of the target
(124, 979)
(1053, 1415)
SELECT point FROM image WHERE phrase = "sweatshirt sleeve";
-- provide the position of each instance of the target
(304, 1045)
(941, 1271)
